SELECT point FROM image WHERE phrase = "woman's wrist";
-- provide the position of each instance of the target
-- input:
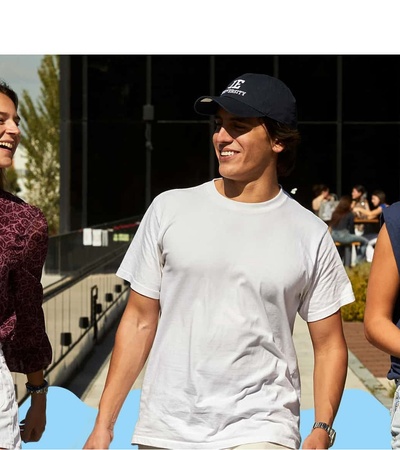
(35, 378)
(37, 389)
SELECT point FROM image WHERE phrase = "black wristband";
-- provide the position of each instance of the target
(42, 389)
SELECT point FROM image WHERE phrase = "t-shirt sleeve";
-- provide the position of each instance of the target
(329, 287)
(142, 264)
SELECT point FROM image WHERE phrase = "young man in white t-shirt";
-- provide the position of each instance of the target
(218, 274)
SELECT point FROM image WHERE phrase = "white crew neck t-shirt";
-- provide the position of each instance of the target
(230, 278)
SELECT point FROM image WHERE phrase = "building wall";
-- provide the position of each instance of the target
(349, 118)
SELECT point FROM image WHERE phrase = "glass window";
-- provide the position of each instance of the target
(180, 157)
(371, 88)
(312, 79)
(176, 83)
(116, 87)
(371, 158)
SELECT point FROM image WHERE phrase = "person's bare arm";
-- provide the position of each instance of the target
(382, 291)
(133, 341)
(316, 203)
(330, 371)
(373, 214)
(34, 423)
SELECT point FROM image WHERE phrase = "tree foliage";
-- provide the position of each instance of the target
(40, 128)
(12, 180)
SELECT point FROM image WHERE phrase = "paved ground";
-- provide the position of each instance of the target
(369, 363)
(371, 357)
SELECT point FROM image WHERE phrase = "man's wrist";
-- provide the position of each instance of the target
(331, 432)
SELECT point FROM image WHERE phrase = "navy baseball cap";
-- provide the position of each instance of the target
(253, 95)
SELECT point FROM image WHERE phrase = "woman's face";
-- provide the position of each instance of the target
(10, 134)
(375, 200)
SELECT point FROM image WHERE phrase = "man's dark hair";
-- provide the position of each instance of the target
(290, 139)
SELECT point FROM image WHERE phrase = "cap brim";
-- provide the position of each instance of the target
(208, 105)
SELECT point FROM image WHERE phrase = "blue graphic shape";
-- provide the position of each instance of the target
(361, 423)
(70, 421)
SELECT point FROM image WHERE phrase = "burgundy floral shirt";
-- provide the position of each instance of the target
(23, 250)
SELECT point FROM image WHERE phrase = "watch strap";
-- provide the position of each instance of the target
(331, 432)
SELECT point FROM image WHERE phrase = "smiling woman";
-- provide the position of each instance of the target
(24, 345)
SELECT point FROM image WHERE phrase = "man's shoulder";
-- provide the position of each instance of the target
(181, 193)
(300, 209)
(304, 219)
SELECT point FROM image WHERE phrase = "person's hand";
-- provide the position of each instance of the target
(100, 438)
(317, 439)
(34, 424)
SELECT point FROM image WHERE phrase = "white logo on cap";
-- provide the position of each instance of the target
(237, 84)
(234, 88)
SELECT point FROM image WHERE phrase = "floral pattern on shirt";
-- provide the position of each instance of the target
(23, 250)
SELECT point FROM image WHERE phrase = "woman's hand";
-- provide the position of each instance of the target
(34, 424)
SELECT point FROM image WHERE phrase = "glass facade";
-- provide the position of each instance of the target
(120, 154)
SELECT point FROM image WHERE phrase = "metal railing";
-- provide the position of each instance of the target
(67, 253)
(85, 300)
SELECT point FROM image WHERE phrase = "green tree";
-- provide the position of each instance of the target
(12, 181)
(40, 128)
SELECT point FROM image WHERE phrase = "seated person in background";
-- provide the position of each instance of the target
(342, 227)
(378, 199)
(359, 200)
(323, 202)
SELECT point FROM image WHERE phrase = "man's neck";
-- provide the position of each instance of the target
(249, 192)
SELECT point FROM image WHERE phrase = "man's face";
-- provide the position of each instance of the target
(10, 134)
(243, 147)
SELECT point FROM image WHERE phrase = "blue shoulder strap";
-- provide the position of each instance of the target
(391, 216)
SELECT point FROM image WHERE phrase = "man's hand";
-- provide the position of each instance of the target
(100, 438)
(317, 439)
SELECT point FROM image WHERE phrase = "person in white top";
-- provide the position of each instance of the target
(218, 273)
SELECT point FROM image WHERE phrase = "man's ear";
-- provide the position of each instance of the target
(277, 146)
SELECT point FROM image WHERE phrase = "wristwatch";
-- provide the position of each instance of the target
(331, 432)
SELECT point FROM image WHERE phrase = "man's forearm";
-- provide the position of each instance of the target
(128, 358)
(330, 374)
